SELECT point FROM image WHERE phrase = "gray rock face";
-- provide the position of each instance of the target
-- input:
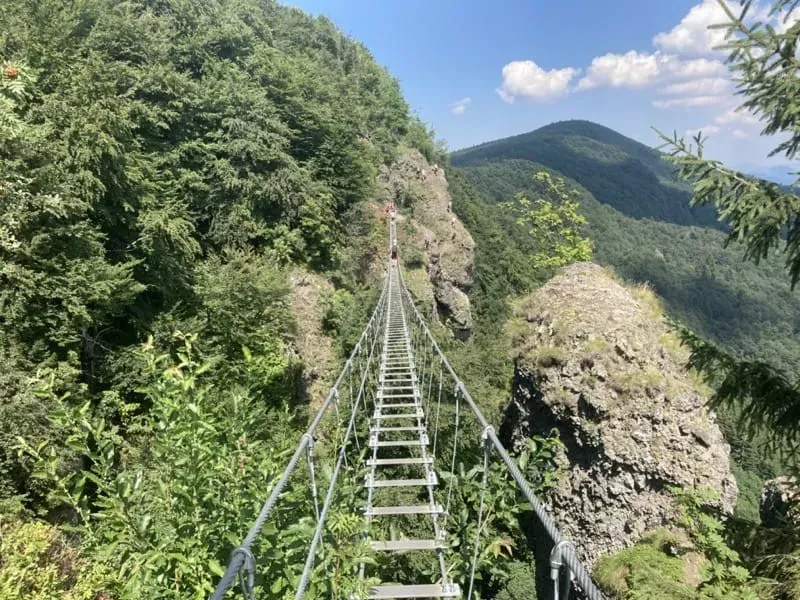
(596, 362)
(780, 502)
(449, 256)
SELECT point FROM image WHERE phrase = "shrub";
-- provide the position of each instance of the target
(38, 563)
(549, 356)
(413, 257)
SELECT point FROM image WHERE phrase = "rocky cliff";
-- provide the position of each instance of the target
(595, 361)
(440, 271)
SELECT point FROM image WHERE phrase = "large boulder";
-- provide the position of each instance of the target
(596, 361)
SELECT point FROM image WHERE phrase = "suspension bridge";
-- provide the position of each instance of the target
(398, 417)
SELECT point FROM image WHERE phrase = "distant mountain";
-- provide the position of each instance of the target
(641, 223)
(781, 174)
(617, 170)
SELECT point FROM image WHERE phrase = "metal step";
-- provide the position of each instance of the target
(405, 545)
(432, 590)
(414, 509)
(369, 482)
(380, 429)
(374, 442)
(415, 415)
(398, 405)
(396, 462)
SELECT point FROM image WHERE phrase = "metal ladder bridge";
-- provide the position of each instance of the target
(402, 395)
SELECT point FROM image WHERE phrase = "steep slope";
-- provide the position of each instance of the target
(439, 272)
(186, 247)
(617, 170)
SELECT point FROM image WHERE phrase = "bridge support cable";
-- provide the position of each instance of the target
(342, 459)
(242, 560)
(567, 558)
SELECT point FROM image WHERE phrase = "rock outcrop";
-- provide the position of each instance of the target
(596, 362)
(780, 502)
(440, 272)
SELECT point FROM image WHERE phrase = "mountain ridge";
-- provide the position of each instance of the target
(617, 170)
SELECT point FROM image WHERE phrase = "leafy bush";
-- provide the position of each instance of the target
(413, 257)
(644, 571)
(661, 563)
(38, 563)
(165, 510)
(519, 583)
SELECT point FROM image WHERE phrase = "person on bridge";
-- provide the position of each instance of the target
(394, 255)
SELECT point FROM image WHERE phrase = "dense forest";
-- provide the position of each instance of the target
(163, 164)
(619, 171)
(747, 308)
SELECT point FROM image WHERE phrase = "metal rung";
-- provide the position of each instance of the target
(387, 396)
(396, 462)
(388, 429)
(414, 509)
(374, 442)
(398, 405)
(432, 590)
(404, 545)
(415, 415)
(370, 482)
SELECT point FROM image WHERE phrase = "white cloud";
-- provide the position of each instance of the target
(692, 35)
(707, 86)
(734, 116)
(632, 69)
(738, 123)
(690, 102)
(698, 67)
(460, 107)
(707, 130)
(638, 69)
(525, 80)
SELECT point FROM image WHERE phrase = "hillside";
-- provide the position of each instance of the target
(188, 234)
(617, 170)
(747, 308)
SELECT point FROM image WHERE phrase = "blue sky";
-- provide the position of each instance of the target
(479, 70)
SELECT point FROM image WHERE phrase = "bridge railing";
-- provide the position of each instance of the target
(332, 428)
(441, 386)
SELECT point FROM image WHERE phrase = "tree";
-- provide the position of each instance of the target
(765, 218)
(553, 222)
(761, 215)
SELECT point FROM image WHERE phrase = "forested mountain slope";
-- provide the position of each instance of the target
(747, 308)
(617, 170)
(183, 181)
